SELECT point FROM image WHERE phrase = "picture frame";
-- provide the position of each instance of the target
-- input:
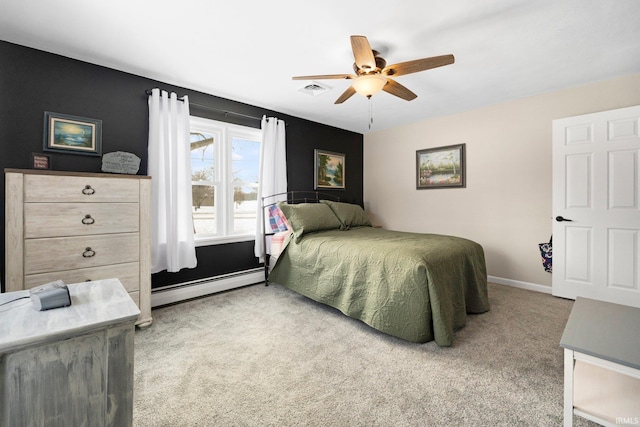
(40, 161)
(441, 167)
(329, 170)
(72, 134)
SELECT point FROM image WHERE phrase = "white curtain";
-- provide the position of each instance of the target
(172, 246)
(273, 172)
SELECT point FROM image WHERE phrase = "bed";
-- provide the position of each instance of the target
(417, 287)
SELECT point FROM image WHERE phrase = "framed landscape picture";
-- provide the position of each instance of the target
(329, 170)
(441, 167)
(72, 134)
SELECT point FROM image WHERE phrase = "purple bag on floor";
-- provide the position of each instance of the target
(547, 255)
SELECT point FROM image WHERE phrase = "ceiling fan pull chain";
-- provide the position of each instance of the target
(370, 112)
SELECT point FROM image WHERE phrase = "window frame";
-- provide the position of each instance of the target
(223, 183)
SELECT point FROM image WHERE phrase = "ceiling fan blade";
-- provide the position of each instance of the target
(416, 65)
(362, 53)
(325, 76)
(346, 95)
(395, 88)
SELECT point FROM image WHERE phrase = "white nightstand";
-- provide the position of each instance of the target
(70, 366)
(601, 344)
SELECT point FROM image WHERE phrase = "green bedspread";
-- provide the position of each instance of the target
(418, 287)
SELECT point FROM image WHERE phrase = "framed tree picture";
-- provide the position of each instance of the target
(329, 170)
(441, 167)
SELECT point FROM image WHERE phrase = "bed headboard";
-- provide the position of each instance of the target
(297, 196)
(292, 197)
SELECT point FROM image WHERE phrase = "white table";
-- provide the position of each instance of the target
(69, 366)
(601, 344)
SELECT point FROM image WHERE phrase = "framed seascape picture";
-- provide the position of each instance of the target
(329, 170)
(441, 167)
(72, 134)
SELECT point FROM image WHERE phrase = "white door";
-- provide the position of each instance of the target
(596, 197)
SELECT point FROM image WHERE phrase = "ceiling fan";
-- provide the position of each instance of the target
(373, 75)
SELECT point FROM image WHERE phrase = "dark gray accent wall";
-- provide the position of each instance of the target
(33, 81)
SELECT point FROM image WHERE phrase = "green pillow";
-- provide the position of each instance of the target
(306, 218)
(350, 215)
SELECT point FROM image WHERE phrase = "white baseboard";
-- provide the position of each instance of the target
(184, 291)
(522, 285)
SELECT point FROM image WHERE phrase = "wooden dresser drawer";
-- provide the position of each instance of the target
(135, 296)
(78, 226)
(128, 274)
(51, 188)
(79, 219)
(67, 253)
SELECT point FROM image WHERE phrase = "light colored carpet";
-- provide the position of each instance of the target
(265, 356)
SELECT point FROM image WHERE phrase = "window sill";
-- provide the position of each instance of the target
(226, 239)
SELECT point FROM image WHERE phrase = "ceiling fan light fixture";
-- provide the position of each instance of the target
(369, 84)
(373, 75)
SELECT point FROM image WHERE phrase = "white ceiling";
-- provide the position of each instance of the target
(248, 50)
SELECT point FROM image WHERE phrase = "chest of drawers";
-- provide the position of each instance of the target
(79, 227)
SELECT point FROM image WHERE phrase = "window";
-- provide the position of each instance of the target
(224, 168)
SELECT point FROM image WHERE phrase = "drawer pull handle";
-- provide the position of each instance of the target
(87, 220)
(87, 190)
(88, 253)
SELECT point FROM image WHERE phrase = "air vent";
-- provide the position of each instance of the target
(314, 88)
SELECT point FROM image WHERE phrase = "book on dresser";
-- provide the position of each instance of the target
(79, 227)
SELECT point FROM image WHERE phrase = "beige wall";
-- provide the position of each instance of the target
(506, 205)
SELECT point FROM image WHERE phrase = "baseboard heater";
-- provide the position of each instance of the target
(198, 288)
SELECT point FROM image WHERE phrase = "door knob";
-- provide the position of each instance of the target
(560, 219)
